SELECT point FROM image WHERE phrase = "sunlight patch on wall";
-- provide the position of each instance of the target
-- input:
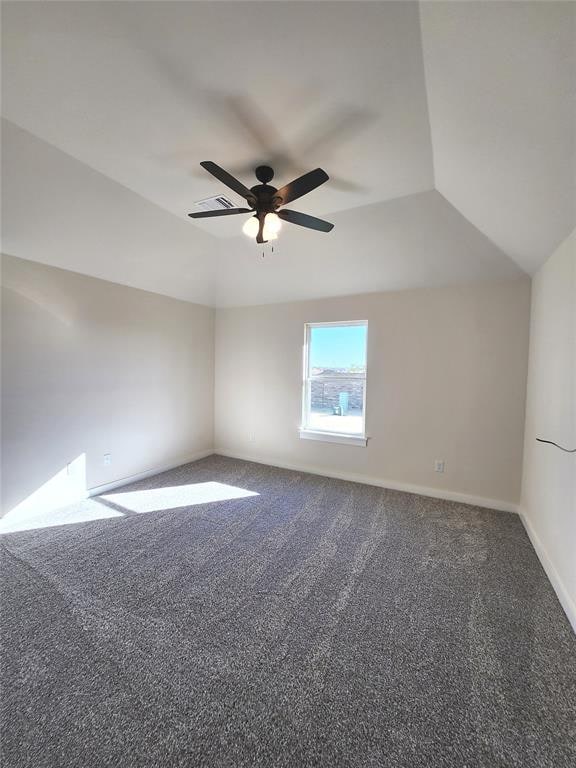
(172, 497)
(59, 501)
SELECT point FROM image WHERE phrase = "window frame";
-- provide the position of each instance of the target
(309, 433)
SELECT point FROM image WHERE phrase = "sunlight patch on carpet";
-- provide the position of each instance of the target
(172, 497)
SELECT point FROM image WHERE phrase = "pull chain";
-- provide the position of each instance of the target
(264, 251)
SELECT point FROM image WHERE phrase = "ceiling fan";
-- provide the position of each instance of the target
(265, 201)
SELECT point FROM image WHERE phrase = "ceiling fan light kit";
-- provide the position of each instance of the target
(266, 202)
(272, 225)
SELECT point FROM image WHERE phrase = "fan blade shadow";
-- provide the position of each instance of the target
(327, 135)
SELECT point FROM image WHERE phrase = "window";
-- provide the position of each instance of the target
(334, 387)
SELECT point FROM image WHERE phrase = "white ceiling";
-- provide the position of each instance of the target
(453, 166)
(501, 94)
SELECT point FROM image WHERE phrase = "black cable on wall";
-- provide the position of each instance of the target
(550, 442)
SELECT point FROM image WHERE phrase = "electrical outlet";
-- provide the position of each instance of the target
(251, 437)
(107, 459)
(439, 465)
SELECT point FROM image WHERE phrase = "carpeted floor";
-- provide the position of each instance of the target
(318, 623)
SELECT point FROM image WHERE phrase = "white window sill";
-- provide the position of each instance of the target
(333, 437)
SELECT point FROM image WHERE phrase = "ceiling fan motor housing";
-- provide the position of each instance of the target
(267, 201)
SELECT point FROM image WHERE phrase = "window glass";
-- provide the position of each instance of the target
(335, 377)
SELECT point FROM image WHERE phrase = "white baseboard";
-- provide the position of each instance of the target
(566, 601)
(99, 489)
(436, 493)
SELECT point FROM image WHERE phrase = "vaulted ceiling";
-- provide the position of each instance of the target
(447, 129)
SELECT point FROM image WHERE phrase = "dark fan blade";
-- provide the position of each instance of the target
(303, 220)
(222, 212)
(227, 179)
(302, 186)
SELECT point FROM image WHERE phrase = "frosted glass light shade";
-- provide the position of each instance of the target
(250, 227)
(272, 224)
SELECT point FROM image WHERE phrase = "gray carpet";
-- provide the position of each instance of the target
(319, 623)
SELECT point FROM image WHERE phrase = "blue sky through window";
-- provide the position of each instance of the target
(339, 346)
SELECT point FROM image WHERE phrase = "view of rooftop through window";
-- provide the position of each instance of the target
(335, 378)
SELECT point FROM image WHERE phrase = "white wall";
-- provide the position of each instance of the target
(446, 379)
(92, 367)
(549, 479)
